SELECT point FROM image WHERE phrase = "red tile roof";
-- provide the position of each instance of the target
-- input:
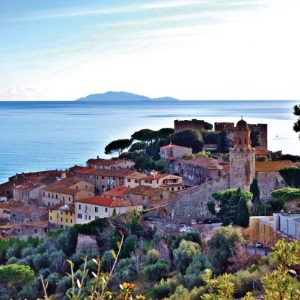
(261, 152)
(145, 190)
(105, 201)
(107, 162)
(103, 172)
(273, 166)
(116, 192)
(172, 146)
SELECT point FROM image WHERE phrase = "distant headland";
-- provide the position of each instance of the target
(123, 96)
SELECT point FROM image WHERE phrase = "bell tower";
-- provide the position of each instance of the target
(242, 158)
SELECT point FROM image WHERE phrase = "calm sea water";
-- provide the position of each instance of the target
(38, 136)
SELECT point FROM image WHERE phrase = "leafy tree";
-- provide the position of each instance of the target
(220, 288)
(157, 271)
(233, 206)
(243, 213)
(255, 138)
(291, 196)
(138, 146)
(164, 133)
(188, 138)
(222, 246)
(279, 284)
(188, 156)
(208, 126)
(144, 135)
(210, 137)
(195, 271)
(117, 146)
(126, 270)
(184, 254)
(291, 176)
(297, 123)
(204, 154)
(15, 275)
(164, 288)
(67, 241)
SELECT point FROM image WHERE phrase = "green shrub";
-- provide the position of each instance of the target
(164, 288)
(126, 270)
(157, 271)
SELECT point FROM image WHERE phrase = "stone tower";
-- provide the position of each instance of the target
(242, 158)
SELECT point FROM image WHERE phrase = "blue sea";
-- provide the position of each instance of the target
(39, 135)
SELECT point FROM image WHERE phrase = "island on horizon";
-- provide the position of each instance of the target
(123, 96)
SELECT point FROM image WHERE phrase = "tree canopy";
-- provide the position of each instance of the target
(288, 195)
(291, 176)
(297, 123)
(16, 274)
(188, 138)
(117, 146)
(144, 135)
(233, 206)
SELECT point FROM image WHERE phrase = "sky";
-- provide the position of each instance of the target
(186, 49)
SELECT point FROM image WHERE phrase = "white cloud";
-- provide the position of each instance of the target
(22, 93)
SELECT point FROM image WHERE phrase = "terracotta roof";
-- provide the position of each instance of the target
(10, 205)
(103, 172)
(105, 201)
(135, 175)
(172, 146)
(40, 224)
(64, 186)
(159, 176)
(116, 192)
(273, 166)
(261, 152)
(107, 162)
(145, 191)
(30, 209)
(28, 186)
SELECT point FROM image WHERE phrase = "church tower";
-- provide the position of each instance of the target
(242, 158)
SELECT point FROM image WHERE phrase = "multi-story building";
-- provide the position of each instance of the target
(62, 215)
(66, 191)
(113, 163)
(92, 208)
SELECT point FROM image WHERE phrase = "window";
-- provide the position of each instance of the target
(89, 217)
(79, 206)
(79, 216)
(61, 219)
(96, 209)
(128, 179)
(105, 209)
(50, 218)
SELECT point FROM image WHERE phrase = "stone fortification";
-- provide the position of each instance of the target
(193, 124)
(224, 126)
(192, 203)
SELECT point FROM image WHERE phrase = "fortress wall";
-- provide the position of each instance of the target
(192, 203)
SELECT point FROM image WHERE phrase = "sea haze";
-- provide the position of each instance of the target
(48, 135)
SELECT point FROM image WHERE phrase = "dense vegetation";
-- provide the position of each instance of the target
(159, 264)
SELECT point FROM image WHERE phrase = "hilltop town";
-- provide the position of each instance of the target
(39, 202)
(212, 203)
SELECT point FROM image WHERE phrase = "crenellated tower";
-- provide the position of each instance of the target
(242, 158)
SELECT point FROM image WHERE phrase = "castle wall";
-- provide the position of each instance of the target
(224, 126)
(192, 203)
(267, 182)
(242, 167)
